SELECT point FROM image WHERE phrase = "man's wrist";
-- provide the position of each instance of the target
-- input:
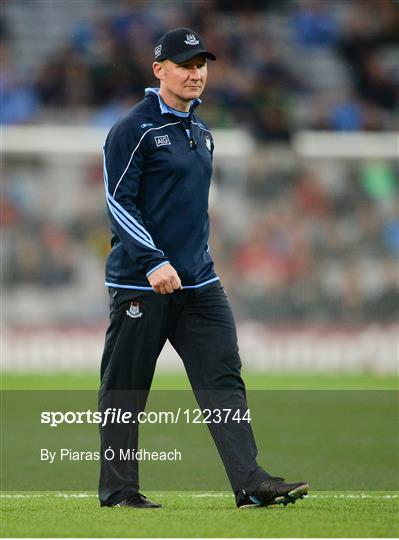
(156, 267)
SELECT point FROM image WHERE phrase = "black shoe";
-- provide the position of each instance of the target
(137, 500)
(274, 490)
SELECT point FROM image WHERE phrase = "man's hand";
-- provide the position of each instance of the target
(165, 280)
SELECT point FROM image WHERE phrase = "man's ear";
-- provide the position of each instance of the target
(158, 70)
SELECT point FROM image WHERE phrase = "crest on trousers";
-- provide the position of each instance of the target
(134, 310)
(208, 142)
(191, 40)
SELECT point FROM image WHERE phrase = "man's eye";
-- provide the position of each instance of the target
(189, 66)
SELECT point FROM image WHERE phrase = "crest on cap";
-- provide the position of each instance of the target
(158, 50)
(191, 40)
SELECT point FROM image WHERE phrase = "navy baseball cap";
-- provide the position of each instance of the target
(179, 45)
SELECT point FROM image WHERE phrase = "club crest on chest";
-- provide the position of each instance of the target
(208, 142)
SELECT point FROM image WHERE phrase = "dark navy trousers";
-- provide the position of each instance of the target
(199, 324)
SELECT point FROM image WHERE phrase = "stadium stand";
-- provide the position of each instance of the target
(297, 241)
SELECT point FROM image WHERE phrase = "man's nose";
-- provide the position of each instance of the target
(195, 73)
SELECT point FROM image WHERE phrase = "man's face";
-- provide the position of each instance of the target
(186, 81)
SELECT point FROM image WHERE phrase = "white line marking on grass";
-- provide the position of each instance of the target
(76, 495)
(311, 496)
(352, 496)
(39, 495)
(194, 495)
(200, 495)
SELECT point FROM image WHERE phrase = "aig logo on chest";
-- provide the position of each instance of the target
(162, 140)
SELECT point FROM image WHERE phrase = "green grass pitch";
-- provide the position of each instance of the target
(201, 514)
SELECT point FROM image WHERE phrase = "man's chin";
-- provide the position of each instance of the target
(195, 94)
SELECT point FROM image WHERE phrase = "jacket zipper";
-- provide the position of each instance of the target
(191, 139)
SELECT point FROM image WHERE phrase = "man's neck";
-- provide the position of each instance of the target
(174, 101)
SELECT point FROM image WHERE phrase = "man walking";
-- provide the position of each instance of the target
(161, 279)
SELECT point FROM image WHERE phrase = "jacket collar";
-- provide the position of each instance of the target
(165, 109)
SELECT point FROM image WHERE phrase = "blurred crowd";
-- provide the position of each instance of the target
(281, 64)
(297, 241)
(318, 247)
(300, 244)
